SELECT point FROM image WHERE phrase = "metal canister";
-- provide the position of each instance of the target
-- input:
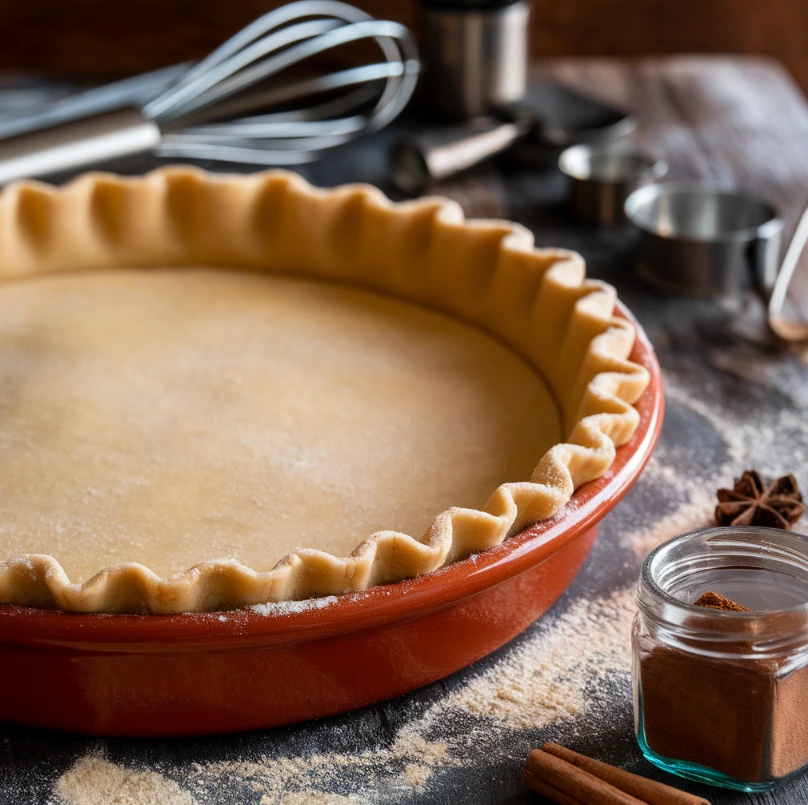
(476, 55)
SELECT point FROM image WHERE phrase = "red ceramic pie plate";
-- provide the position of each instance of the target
(154, 675)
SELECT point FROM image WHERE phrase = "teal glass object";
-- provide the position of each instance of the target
(721, 696)
(693, 771)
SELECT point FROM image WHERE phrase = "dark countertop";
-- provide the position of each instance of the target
(735, 400)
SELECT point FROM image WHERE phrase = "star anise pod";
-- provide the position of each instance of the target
(752, 502)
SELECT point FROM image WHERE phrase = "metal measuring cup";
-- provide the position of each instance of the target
(705, 239)
(602, 176)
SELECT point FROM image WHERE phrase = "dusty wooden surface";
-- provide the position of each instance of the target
(735, 400)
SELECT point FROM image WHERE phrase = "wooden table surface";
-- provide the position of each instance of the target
(734, 400)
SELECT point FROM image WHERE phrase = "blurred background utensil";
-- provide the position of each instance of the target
(476, 52)
(788, 304)
(534, 131)
(197, 115)
(423, 158)
(603, 176)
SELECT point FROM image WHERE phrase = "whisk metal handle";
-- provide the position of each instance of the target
(78, 145)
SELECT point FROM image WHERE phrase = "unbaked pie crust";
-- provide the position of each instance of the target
(223, 391)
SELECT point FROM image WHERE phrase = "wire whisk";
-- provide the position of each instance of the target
(244, 103)
(281, 39)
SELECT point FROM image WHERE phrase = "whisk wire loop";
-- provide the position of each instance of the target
(231, 81)
(235, 105)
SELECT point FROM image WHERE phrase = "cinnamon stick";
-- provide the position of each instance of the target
(546, 790)
(649, 791)
(575, 783)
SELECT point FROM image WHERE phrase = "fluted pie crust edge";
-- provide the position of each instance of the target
(485, 273)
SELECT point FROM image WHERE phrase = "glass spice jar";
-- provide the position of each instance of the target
(721, 696)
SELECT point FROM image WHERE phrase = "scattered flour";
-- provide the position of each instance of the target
(95, 781)
(286, 781)
(544, 681)
(695, 512)
(417, 775)
(733, 436)
(311, 797)
(775, 443)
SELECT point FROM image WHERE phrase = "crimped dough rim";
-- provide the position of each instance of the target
(485, 273)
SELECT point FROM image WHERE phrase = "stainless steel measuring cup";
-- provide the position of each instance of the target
(705, 239)
(603, 176)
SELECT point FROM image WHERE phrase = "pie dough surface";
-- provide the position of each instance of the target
(170, 417)
(159, 378)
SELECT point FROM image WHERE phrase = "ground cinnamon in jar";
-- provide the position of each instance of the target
(715, 601)
(721, 693)
(742, 718)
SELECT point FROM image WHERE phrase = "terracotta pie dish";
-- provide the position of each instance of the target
(276, 453)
